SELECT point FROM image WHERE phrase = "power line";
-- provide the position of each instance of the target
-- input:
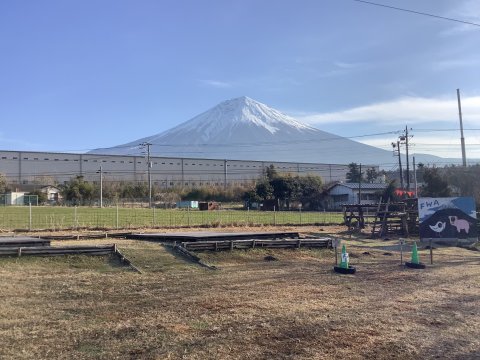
(417, 12)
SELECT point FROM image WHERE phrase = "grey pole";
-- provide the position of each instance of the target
(462, 139)
(149, 167)
(225, 174)
(415, 177)
(406, 150)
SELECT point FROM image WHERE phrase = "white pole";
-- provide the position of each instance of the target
(30, 216)
(101, 187)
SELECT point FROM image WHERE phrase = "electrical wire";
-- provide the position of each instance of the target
(417, 12)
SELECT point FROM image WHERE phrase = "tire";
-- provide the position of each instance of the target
(415, 266)
(341, 270)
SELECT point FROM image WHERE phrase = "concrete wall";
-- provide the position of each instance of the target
(27, 167)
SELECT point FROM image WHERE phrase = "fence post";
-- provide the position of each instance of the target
(30, 216)
(154, 217)
(116, 224)
(75, 223)
(274, 216)
(188, 215)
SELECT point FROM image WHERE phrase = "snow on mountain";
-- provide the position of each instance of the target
(244, 129)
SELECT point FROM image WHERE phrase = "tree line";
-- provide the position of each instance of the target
(282, 190)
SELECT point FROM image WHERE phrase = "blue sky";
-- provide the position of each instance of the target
(78, 75)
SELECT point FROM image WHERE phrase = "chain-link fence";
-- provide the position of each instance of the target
(57, 218)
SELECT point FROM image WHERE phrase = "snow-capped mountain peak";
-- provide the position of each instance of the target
(245, 129)
(235, 113)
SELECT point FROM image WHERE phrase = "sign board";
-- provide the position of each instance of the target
(447, 219)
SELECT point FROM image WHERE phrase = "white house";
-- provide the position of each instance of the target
(347, 193)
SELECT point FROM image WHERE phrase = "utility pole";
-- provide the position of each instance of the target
(397, 146)
(101, 186)
(405, 139)
(149, 167)
(360, 186)
(415, 177)
(462, 139)
(225, 174)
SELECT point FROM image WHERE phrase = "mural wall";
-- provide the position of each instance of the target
(447, 219)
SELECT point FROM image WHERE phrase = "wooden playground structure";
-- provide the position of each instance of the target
(399, 218)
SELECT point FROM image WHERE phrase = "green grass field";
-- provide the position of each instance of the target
(57, 218)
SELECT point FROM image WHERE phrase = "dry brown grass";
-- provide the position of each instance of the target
(293, 308)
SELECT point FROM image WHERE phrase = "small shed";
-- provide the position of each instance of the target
(210, 205)
(15, 198)
(187, 204)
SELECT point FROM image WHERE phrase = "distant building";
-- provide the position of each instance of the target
(14, 198)
(46, 168)
(347, 193)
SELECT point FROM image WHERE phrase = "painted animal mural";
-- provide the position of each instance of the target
(460, 224)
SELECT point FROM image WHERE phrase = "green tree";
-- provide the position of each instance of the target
(435, 185)
(264, 190)
(285, 189)
(372, 175)
(465, 180)
(310, 192)
(353, 175)
(3, 184)
(389, 192)
(78, 191)
(42, 197)
(271, 173)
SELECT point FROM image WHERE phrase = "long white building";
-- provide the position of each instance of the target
(45, 168)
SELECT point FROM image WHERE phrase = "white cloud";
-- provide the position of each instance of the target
(467, 11)
(444, 144)
(345, 65)
(411, 110)
(216, 83)
(455, 63)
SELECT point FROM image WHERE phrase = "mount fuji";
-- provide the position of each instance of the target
(244, 129)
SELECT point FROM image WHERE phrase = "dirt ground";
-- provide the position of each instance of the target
(296, 307)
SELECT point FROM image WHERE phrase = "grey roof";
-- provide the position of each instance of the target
(366, 186)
